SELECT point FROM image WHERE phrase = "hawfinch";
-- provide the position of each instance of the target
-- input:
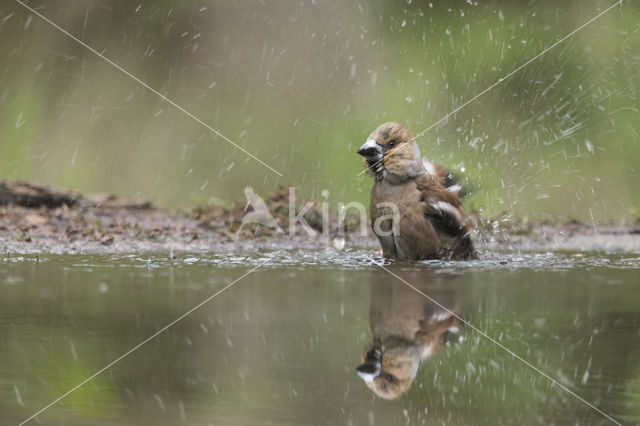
(415, 207)
(406, 331)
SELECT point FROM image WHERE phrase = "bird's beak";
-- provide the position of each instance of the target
(371, 150)
(369, 371)
(370, 368)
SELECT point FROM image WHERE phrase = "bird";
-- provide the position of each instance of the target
(406, 331)
(415, 205)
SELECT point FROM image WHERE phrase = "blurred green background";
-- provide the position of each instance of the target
(301, 84)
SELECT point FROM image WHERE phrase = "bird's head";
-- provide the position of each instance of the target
(391, 153)
(389, 372)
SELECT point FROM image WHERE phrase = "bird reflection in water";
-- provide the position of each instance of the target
(407, 329)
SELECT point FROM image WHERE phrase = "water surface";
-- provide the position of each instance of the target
(282, 344)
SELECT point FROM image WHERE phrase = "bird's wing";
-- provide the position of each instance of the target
(441, 206)
(440, 174)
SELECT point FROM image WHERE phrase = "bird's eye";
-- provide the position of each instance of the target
(391, 144)
(390, 377)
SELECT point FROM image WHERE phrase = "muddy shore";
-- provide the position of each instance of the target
(43, 219)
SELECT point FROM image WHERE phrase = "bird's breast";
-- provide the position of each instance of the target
(386, 198)
(390, 207)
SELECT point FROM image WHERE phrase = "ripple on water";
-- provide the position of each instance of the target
(365, 259)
